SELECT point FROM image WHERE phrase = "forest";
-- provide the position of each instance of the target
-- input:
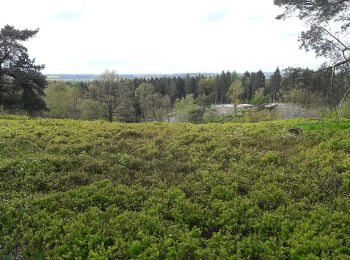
(25, 90)
(187, 99)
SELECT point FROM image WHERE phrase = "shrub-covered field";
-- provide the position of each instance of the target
(98, 190)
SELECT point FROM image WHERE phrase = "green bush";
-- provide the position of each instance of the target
(345, 109)
(259, 115)
(98, 190)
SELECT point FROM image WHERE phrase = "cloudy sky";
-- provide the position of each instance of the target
(158, 36)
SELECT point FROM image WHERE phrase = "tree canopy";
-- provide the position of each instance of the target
(21, 81)
(113, 97)
(328, 21)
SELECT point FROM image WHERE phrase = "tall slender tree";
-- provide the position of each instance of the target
(235, 93)
(275, 84)
(247, 85)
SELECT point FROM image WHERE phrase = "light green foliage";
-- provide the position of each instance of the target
(206, 86)
(112, 97)
(345, 109)
(259, 97)
(305, 99)
(88, 110)
(187, 110)
(98, 190)
(235, 93)
(154, 106)
(211, 116)
(161, 106)
(144, 92)
(205, 91)
(166, 107)
(62, 100)
(295, 95)
(302, 97)
(259, 115)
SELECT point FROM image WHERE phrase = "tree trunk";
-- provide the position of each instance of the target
(110, 114)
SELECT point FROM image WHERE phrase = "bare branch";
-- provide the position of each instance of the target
(344, 97)
(335, 38)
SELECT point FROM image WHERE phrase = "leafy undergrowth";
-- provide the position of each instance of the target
(97, 190)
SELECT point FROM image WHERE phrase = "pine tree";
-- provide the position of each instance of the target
(275, 84)
(21, 82)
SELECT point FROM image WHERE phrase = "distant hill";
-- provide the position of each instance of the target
(90, 77)
(72, 77)
(268, 74)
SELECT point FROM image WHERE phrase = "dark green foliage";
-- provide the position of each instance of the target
(275, 85)
(21, 81)
(318, 16)
(246, 82)
(251, 82)
(76, 189)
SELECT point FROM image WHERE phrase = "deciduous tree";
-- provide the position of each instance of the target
(113, 97)
(61, 100)
(235, 93)
(154, 106)
(259, 97)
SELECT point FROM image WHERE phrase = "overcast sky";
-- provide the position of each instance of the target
(158, 36)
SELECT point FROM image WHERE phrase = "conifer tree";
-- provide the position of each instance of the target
(21, 82)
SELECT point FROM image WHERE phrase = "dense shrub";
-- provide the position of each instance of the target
(98, 190)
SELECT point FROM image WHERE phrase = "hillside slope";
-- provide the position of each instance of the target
(97, 190)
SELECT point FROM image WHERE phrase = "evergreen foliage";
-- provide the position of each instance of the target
(328, 24)
(275, 85)
(21, 82)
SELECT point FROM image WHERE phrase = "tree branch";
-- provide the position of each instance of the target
(335, 38)
(344, 97)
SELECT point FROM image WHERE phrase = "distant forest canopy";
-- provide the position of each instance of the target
(90, 77)
(114, 98)
(24, 89)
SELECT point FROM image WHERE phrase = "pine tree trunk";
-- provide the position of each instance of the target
(110, 114)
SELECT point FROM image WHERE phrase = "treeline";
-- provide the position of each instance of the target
(215, 89)
(159, 98)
